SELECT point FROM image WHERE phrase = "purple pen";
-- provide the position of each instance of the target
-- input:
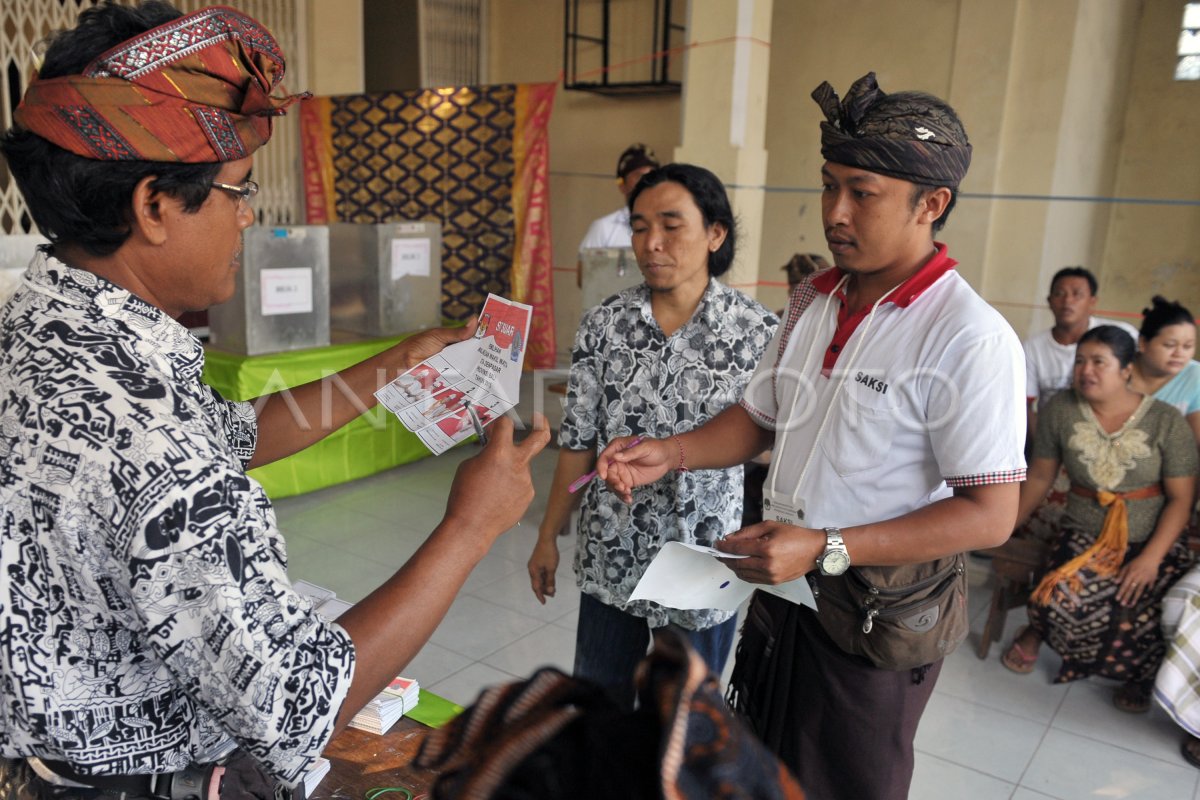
(582, 480)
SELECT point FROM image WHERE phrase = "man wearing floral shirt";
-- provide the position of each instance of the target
(149, 626)
(657, 359)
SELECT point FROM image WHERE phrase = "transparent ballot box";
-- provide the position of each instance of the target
(282, 298)
(386, 279)
(606, 271)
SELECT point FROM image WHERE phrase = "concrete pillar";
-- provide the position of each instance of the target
(1059, 136)
(335, 47)
(724, 113)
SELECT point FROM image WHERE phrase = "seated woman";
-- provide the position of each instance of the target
(1164, 366)
(1132, 464)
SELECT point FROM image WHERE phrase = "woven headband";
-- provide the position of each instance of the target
(195, 90)
(904, 137)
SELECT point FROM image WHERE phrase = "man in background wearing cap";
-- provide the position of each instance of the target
(613, 230)
(893, 398)
(150, 629)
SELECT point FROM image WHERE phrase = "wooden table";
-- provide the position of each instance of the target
(362, 761)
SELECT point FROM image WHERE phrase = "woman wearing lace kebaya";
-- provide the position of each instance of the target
(1132, 464)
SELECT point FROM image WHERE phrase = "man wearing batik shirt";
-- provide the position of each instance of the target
(893, 398)
(150, 630)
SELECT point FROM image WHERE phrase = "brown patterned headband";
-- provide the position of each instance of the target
(195, 90)
(910, 136)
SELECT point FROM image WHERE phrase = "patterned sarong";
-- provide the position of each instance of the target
(1093, 633)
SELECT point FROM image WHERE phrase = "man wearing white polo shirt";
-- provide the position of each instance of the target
(893, 398)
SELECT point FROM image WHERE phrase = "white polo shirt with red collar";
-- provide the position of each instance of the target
(877, 415)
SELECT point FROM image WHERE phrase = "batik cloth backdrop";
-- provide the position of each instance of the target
(474, 159)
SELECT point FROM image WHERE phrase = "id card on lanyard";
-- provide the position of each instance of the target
(782, 508)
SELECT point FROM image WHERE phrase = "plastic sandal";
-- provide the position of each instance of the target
(1016, 659)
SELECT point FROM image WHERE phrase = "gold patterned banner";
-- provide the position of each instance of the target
(475, 159)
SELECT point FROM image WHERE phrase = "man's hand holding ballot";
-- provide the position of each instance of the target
(770, 552)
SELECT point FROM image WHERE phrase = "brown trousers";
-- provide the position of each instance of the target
(844, 727)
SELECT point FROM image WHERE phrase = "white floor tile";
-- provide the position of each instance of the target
(371, 539)
(350, 576)
(1073, 767)
(476, 629)
(548, 646)
(1088, 711)
(491, 567)
(327, 523)
(464, 686)
(1023, 793)
(570, 620)
(937, 779)
(514, 591)
(434, 664)
(978, 737)
(988, 683)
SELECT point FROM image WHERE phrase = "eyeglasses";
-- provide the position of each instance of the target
(245, 191)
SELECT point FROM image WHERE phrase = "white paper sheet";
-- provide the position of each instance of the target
(690, 576)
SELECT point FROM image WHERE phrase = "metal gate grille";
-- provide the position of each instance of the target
(25, 23)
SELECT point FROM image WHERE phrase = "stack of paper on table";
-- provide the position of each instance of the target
(320, 769)
(399, 698)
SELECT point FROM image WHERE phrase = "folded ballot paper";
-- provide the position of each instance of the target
(690, 576)
(399, 698)
(456, 393)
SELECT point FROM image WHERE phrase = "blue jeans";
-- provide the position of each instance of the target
(609, 643)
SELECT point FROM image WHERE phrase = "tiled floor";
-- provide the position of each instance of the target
(987, 733)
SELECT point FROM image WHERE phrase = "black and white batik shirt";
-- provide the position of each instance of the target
(627, 378)
(145, 611)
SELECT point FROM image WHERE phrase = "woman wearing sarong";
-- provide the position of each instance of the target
(1132, 464)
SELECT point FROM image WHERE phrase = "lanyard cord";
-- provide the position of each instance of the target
(837, 390)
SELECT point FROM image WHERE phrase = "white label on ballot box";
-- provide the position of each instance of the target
(287, 291)
(410, 257)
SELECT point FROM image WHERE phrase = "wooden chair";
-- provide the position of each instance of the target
(1017, 564)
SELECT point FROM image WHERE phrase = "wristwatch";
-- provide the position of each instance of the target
(835, 560)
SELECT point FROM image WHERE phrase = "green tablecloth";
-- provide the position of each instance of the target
(375, 441)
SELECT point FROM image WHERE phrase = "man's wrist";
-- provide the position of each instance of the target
(466, 529)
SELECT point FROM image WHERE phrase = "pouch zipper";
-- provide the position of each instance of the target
(897, 611)
(870, 612)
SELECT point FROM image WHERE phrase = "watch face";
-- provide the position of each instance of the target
(835, 562)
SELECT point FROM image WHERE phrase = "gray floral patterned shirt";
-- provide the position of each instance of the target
(627, 378)
(146, 612)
